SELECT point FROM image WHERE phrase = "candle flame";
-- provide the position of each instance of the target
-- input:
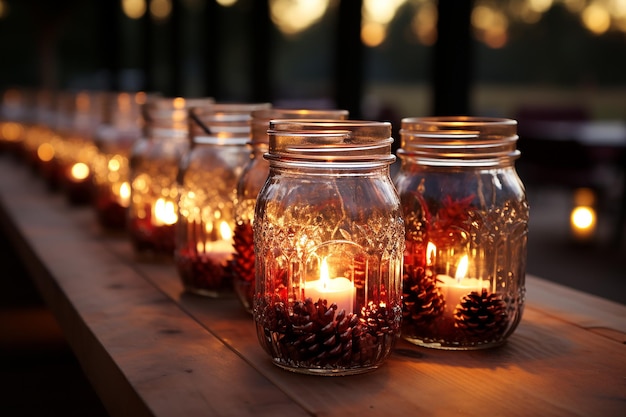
(431, 250)
(79, 171)
(165, 212)
(324, 275)
(461, 270)
(225, 231)
(125, 190)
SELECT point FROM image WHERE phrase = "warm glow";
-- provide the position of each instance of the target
(377, 14)
(134, 9)
(491, 25)
(164, 212)
(618, 8)
(596, 18)
(381, 11)
(373, 34)
(226, 3)
(4, 9)
(179, 103)
(45, 152)
(584, 197)
(540, 6)
(294, 16)
(79, 171)
(114, 164)
(424, 24)
(461, 270)
(124, 193)
(324, 275)
(225, 231)
(12, 132)
(583, 217)
(574, 6)
(160, 9)
(431, 251)
(495, 38)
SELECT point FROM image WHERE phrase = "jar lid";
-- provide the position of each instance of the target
(343, 143)
(459, 139)
(170, 112)
(261, 119)
(223, 123)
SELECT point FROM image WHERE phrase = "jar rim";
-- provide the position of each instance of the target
(316, 142)
(462, 140)
(446, 122)
(261, 118)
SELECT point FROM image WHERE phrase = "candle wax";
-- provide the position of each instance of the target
(219, 251)
(337, 290)
(454, 290)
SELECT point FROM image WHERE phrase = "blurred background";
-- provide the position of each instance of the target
(557, 66)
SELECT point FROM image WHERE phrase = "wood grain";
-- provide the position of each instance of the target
(151, 349)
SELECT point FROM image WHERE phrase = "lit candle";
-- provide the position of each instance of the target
(79, 172)
(431, 252)
(583, 222)
(122, 193)
(338, 290)
(456, 288)
(218, 250)
(164, 213)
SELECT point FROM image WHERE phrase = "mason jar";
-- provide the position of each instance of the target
(466, 217)
(248, 186)
(207, 178)
(81, 114)
(154, 161)
(329, 239)
(114, 140)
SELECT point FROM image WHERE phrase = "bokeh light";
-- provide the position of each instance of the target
(134, 9)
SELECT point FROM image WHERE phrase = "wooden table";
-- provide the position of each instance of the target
(149, 349)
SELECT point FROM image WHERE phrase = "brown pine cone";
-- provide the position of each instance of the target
(321, 339)
(481, 315)
(422, 300)
(377, 333)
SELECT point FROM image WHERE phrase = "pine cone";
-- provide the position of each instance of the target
(422, 299)
(377, 333)
(321, 339)
(201, 272)
(481, 315)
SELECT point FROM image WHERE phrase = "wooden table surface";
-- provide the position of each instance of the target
(149, 349)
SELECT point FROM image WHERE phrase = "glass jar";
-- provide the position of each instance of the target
(154, 161)
(250, 182)
(329, 239)
(83, 112)
(39, 134)
(466, 218)
(114, 141)
(207, 178)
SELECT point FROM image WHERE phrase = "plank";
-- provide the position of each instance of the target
(555, 364)
(141, 352)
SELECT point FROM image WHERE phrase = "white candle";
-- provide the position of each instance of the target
(338, 290)
(454, 289)
(219, 251)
